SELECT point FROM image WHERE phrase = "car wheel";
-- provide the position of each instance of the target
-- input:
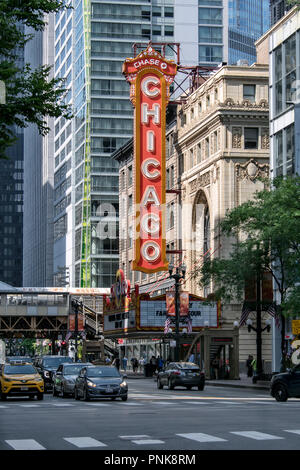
(200, 387)
(40, 396)
(170, 385)
(86, 395)
(280, 393)
(63, 393)
(124, 398)
(54, 392)
(159, 384)
(76, 396)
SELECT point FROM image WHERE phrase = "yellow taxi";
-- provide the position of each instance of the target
(20, 379)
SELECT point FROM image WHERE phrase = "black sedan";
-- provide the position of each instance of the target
(64, 378)
(286, 384)
(100, 382)
(186, 374)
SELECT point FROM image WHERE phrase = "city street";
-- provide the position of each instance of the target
(216, 419)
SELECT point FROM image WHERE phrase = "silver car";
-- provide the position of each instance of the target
(64, 378)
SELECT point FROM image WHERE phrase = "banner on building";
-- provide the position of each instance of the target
(184, 303)
(150, 75)
(170, 303)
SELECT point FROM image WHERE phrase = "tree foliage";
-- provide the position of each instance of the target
(266, 231)
(30, 95)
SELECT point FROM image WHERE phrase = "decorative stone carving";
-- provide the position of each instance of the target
(265, 138)
(252, 170)
(215, 173)
(200, 181)
(236, 137)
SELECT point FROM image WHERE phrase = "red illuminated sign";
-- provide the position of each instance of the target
(150, 76)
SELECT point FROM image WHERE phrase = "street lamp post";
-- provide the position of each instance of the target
(76, 304)
(177, 276)
(258, 331)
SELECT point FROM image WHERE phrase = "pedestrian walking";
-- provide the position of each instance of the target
(216, 366)
(249, 366)
(117, 362)
(125, 360)
(141, 364)
(192, 358)
(134, 363)
(254, 367)
(159, 364)
(152, 365)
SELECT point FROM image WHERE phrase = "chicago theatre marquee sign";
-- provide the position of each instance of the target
(150, 76)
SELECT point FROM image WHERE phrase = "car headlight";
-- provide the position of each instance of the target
(6, 379)
(91, 384)
(123, 384)
(39, 379)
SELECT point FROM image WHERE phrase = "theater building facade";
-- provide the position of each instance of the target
(217, 152)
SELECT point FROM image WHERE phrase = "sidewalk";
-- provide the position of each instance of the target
(243, 382)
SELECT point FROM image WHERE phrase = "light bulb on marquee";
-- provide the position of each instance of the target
(150, 75)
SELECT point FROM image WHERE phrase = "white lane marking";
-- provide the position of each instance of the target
(2, 406)
(25, 444)
(163, 403)
(132, 404)
(84, 442)
(196, 403)
(62, 404)
(30, 406)
(229, 403)
(258, 436)
(293, 431)
(138, 436)
(97, 404)
(200, 437)
(148, 441)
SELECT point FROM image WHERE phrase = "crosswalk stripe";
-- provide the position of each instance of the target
(132, 404)
(25, 444)
(258, 436)
(138, 436)
(293, 431)
(200, 437)
(84, 442)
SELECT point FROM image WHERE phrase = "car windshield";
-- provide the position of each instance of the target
(73, 370)
(187, 365)
(102, 372)
(24, 369)
(56, 361)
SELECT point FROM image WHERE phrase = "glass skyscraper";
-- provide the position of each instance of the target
(229, 28)
(91, 43)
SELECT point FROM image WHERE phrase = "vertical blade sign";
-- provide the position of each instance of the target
(150, 76)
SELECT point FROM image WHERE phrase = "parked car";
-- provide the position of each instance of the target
(100, 382)
(20, 379)
(286, 384)
(64, 378)
(47, 365)
(186, 374)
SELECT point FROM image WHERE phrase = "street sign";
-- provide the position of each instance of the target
(296, 327)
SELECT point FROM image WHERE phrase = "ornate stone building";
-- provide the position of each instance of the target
(217, 148)
(223, 150)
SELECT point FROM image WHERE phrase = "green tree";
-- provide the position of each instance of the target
(30, 95)
(266, 238)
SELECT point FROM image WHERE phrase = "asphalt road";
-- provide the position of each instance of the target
(214, 419)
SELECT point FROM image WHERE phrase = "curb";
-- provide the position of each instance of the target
(252, 387)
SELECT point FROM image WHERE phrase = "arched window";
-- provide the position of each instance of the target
(206, 234)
